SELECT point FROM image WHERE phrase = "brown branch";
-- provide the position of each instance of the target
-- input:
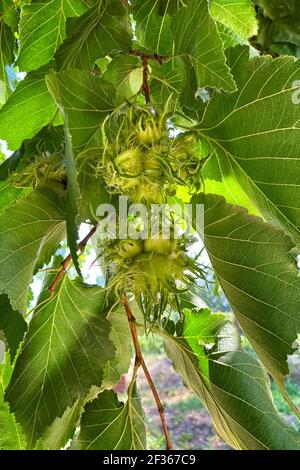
(81, 246)
(158, 58)
(139, 361)
(145, 59)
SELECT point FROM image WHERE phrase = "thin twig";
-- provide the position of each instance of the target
(139, 361)
(81, 246)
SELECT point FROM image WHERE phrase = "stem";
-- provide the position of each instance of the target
(139, 361)
(81, 246)
(145, 58)
(158, 58)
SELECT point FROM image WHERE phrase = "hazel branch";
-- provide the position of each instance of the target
(81, 246)
(145, 59)
(158, 58)
(140, 362)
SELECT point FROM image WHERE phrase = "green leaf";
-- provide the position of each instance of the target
(43, 29)
(166, 80)
(230, 189)
(64, 353)
(9, 195)
(62, 429)
(101, 30)
(125, 72)
(274, 37)
(259, 277)
(9, 12)
(12, 324)
(198, 44)
(286, 13)
(87, 100)
(186, 31)
(192, 104)
(108, 424)
(11, 436)
(259, 144)
(229, 38)
(237, 394)
(30, 232)
(153, 22)
(121, 338)
(220, 179)
(237, 15)
(93, 192)
(200, 331)
(32, 105)
(50, 141)
(59, 433)
(7, 43)
(10, 164)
